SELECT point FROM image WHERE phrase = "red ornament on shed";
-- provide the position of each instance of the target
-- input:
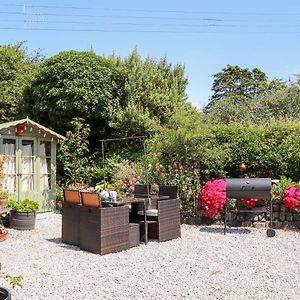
(20, 130)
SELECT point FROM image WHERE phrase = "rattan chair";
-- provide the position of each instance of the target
(70, 217)
(142, 190)
(102, 230)
(90, 199)
(167, 214)
(168, 190)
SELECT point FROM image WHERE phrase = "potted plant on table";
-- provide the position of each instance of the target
(107, 191)
(23, 214)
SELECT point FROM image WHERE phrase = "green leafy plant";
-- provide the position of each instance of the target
(15, 281)
(74, 153)
(280, 187)
(25, 205)
(3, 194)
(232, 203)
(104, 185)
(59, 194)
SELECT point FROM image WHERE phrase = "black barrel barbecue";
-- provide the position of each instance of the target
(260, 188)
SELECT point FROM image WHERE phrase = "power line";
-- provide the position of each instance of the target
(149, 31)
(151, 10)
(120, 23)
(109, 16)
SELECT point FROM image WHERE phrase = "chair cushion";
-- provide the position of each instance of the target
(149, 212)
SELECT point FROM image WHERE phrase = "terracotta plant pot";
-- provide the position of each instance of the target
(3, 236)
(3, 201)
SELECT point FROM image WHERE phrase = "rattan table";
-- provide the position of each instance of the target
(144, 200)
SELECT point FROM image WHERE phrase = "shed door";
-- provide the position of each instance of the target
(46, 174)
(26, 169)
(18, 171)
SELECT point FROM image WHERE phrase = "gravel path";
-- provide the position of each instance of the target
(203, 264)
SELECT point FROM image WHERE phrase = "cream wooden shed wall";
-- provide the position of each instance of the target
(25, 173)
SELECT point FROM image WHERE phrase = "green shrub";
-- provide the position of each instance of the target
(3, 194)
(218, 150)
(25, 205)
(280, 187)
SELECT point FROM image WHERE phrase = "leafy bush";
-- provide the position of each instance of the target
(266, 151)
(184, 154)
(74, 153)
(280, 187)
(73, 84)
(218, 150)
(127, 176)
(25, 205)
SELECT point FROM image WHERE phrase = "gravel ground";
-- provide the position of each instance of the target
(203, 264)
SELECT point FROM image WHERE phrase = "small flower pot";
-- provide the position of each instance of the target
(3, 236)
(3, 201)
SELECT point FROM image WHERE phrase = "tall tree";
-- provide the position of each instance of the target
(152, 90)
(238, 85)
(15, 68)
(73, 84)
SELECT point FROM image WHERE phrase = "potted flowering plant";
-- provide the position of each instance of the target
(3, 233)
(106, 191)
(3, 230)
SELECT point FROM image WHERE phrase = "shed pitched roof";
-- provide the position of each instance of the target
(34, 124)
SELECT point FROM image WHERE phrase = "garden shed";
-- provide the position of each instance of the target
(29, 161)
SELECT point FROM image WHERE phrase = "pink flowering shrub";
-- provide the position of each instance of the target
(291, 198)
(127, 177)
(249, 202)
(88, 190)
(213, 197)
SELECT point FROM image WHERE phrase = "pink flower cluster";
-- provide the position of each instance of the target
(291, 198)
(249, 202)
(126, 178)
(213, 197)
(88, 190)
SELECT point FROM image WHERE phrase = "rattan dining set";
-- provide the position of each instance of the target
(106, 227)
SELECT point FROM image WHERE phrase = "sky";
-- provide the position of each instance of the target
(203, 35)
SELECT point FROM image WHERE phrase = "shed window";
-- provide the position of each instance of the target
(45, 168)
(27, 160)
(9, 165)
